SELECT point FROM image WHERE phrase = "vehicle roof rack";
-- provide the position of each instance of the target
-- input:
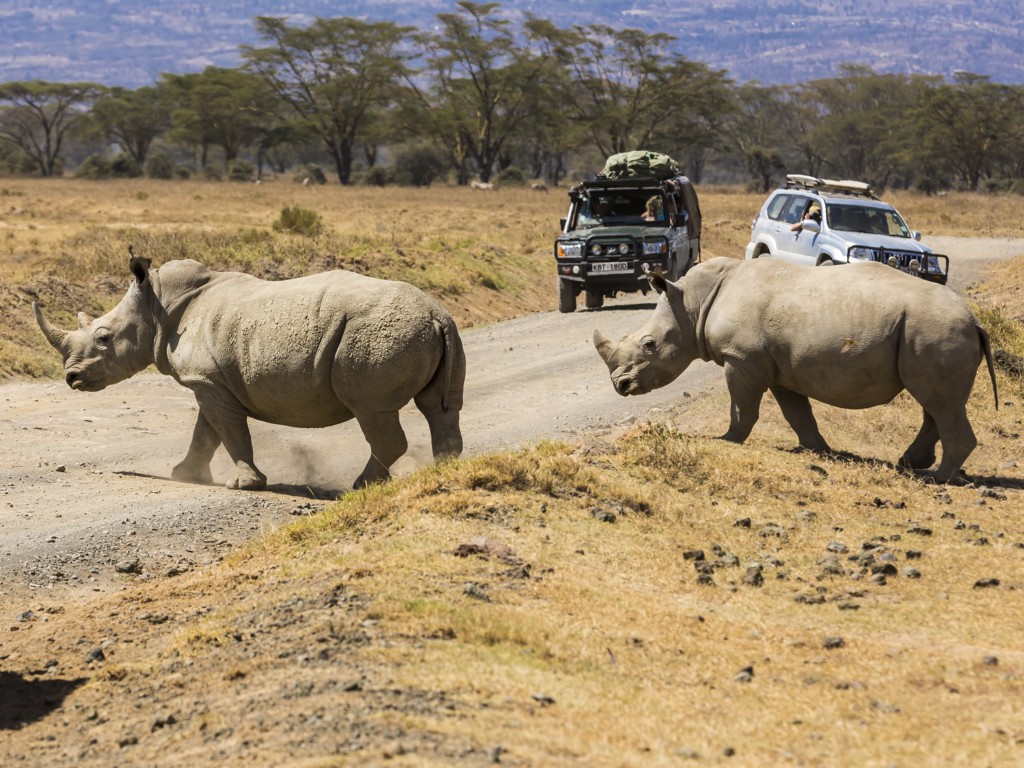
(840, 186)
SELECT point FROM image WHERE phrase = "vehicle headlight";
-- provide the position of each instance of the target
(570, 250)
(623, 249)
(656, 248)
(860, 253)
(596, 249)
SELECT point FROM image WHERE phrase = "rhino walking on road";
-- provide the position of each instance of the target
(852, 336)
(308, 352)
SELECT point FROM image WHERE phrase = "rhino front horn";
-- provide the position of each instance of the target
(604, 346)
(56, 337)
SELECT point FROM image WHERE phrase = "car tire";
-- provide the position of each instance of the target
(594, 300)
(566, 296)
(826, 263)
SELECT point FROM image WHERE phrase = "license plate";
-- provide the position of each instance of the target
(611, 266)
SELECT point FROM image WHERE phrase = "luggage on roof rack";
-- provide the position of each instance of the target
(640, 163)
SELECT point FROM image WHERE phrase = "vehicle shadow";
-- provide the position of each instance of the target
(24, 700)
(648, 305)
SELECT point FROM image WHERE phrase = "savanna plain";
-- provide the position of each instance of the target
(645, 595)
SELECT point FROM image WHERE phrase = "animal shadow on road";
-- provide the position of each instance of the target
(24, 700)
(648, 305)
(317, 492)
(987, 481)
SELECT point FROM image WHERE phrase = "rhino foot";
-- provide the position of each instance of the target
(253, 480)
(186, 473)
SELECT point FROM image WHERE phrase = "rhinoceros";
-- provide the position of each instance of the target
(307, 352)
(852, 336)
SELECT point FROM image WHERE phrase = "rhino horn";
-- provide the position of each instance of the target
(84, 321)
(57, 337)
(604, 346)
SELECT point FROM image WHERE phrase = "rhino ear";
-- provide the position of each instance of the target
(84, 321)
(139, 266)
(604, 346)
(657, 281)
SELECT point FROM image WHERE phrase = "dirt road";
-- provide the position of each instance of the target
(86, 493)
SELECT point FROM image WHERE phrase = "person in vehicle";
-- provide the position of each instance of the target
(813, 212)
(653, 210)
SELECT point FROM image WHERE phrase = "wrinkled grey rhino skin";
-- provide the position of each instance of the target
(308, 352)
(853, 336)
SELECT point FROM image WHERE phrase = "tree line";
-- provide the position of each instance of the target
(482, 96)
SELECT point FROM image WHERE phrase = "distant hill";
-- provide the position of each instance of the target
(131, 42)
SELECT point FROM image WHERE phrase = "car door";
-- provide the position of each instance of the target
(783, 212)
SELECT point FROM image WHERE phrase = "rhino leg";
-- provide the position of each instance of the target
(745, 408)
(796, 409)
(231, 427)
(958, 441)
(921, 453)
(195, 467)
(445, 434)
(384, 433)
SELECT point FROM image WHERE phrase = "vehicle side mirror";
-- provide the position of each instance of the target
(916, 235)
(810, 225)
(561, 223)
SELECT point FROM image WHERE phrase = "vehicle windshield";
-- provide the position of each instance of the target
(871, 220)
(623, 207)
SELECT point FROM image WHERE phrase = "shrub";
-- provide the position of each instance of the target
(299, 221)
(125, 167)
(182, 172)
(159, 166)
(240, 170)
(511, 177)
(419, 166)
(310, 171)
(378, 176)
(95, 166)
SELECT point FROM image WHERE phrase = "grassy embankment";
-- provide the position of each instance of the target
(581, 627)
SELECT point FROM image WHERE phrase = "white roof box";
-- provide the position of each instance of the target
(842, 186)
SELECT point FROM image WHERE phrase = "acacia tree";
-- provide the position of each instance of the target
(134, 119)
(336, 75)
(226, 108)
(627, 85)
(482, 79)
(35, 117)
(755, 132)
(971, 124)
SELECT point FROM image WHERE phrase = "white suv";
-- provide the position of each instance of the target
(854, 226)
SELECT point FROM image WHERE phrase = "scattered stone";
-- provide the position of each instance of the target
(543, 699)
(807, 516)
(96, 654)
(129, 566)
(745, 675)
(489, 549)
(993, 493)
(913, 554)
(886, 569)
(831, 643)
(693, 554)
(830, 566)
(705, 580)
(743, 522)
(838, 547)
(162, 721)
(60, 468)
(879, 579)
(475, 591)
(809, 599)
(911, 573)
(990, 661)
(881, 706)
(919, 530)
(986, 583)
(754, 575)
(303, 509)
(603, 515)
(27, 616)
(728, 561)
(769, 530)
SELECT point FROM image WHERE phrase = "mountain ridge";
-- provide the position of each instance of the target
(132, 42)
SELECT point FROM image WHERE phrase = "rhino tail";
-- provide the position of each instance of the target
(986, 347)
(451, 349)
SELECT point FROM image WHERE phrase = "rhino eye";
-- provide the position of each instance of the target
(103, 338)
(648, 345)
